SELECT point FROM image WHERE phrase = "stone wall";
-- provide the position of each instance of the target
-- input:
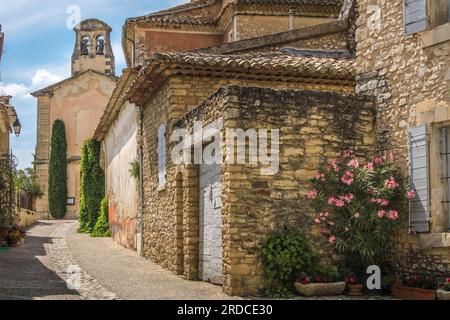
(176, 97)
(162, 223)
(314, 127)
(409, 77)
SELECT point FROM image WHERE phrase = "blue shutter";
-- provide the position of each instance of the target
(162, 155)
(415, 16)
(419, 208)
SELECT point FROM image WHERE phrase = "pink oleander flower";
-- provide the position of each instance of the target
(348, 154)
(354, 163)
(411, 195)
(331, 201)
(378, 160)
(369, 166)
(348, 178)
(390, 157)
(393, 215)
(339, 203)
(326, 214)
(347, 198)
(332, 239)
(317, 221)
(313, 194)
(381, 213)
(335, 165)
(320, 177)
(357, 215)
(391, 183)
(331, 223)
(384, 202)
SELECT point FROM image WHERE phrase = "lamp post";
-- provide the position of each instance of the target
(17, 128)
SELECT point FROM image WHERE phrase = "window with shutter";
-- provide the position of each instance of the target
(415, 16)
(419, 179)
(445, 176)
(162, 155)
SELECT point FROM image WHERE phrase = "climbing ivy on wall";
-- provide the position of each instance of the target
(57, 179)
(92, 186)
(8, 214)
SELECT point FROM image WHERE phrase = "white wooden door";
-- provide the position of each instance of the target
(210, 268)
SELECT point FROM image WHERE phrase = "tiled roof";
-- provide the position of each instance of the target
(269, 62)
(176, 15)
(261, 66)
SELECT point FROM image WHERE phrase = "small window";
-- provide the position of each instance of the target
(231, 36)
(439, 12)
(100, 45)
(85, 44)
(445, 175)
(161, 152)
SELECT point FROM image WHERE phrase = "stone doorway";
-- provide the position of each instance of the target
(210, 222)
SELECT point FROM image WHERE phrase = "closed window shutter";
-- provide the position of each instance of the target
(162, 155)
(415, 16)
(418, 174)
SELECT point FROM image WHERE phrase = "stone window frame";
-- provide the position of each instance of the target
(438, 30)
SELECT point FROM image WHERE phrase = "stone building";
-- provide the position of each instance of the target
(79, 102)
(2, 36)
(262, 65)
(403, 60)
(8, 117)
(204, 23)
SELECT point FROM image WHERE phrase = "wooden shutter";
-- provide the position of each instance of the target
(162, 155)
(415, 16)
(419, 179)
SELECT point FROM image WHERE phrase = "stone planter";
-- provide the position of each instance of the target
(443, 295)
(408, 293)
(320, 289)
(355, 290)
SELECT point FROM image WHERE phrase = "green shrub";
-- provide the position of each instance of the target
(92, 186)
(134, 169)
(57, 180)
(101, 228)
(26, 180)
(286, 255)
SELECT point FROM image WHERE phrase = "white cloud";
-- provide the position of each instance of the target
(43, 78)
(13, 89)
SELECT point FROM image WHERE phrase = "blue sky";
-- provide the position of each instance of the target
(39, 46)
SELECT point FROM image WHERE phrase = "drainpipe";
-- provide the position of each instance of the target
(291, 18)
(141, 173)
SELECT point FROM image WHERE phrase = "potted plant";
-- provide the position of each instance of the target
(354, 287)
(416, 287)
(325, 283)
(444, 292)
(16, 235)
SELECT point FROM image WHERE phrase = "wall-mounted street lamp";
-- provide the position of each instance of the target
(17, 127)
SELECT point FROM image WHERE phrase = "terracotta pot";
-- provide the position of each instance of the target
(443, 295)
(408, 293)
(320, 289)
(355, 290)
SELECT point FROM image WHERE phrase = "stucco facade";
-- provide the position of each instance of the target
(79, 102)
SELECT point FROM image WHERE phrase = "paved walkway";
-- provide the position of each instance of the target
(55, 255)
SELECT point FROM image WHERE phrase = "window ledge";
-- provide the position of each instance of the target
(436, 35)
(435, 240)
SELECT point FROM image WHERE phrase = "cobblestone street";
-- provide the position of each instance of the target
(54, 255)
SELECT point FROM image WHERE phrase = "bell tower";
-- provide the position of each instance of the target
(93, 49)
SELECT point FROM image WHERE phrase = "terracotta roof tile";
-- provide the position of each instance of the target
(263, 66)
